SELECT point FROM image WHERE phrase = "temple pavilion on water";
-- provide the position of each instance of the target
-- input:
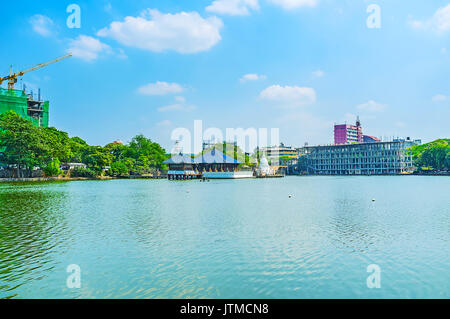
(210, 164)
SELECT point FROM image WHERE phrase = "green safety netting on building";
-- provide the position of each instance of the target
(16, 100)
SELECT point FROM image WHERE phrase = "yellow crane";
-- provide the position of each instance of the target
(12, 77)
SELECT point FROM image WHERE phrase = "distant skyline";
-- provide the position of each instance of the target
(299, 65)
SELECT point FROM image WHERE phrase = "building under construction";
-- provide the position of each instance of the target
(34, 110)
(25, 105)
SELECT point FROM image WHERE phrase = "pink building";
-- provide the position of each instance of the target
(347, 134)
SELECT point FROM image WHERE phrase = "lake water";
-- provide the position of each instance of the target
(227, 239)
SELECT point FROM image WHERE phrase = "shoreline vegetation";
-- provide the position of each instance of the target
(34, 152)
(29, 153)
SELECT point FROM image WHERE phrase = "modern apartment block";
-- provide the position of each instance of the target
(347, 134)
(376, 158)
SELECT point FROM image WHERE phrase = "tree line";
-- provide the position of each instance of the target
(25, 147)
(432, 156)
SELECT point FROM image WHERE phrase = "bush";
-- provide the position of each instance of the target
(83, 172)
(52, 168)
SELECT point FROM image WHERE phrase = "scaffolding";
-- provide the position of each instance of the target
(25, 105)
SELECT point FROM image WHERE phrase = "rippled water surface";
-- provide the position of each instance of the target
(227, 239)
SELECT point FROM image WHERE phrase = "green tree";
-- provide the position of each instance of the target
(53, 168)
(118, 169)
(21, 142)
(129, 162)
(142, 166)
(57, 144)
(25, 146)
(77, 147)
(434, 155)
(147, 154)
(97, 157)
(117, 150)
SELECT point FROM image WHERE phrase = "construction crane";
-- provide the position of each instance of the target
(12, 77)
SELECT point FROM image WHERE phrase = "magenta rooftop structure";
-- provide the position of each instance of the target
(347, 134)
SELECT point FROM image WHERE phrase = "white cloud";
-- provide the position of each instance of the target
(180, 99)
(233, 7)
(42, 25)
(164, 123)
(440, 98)
(252, 77)
(177, 107)
(180, 106)
(416, 24)
(88, 48)
(439, 22)
(160, 88)
(185, 32)
(318, 74)
(289, 96)
(294, 4)
(371, 106)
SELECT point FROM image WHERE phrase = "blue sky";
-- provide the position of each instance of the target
(299, 65)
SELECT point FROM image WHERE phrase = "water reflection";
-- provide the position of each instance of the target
(32, 227)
